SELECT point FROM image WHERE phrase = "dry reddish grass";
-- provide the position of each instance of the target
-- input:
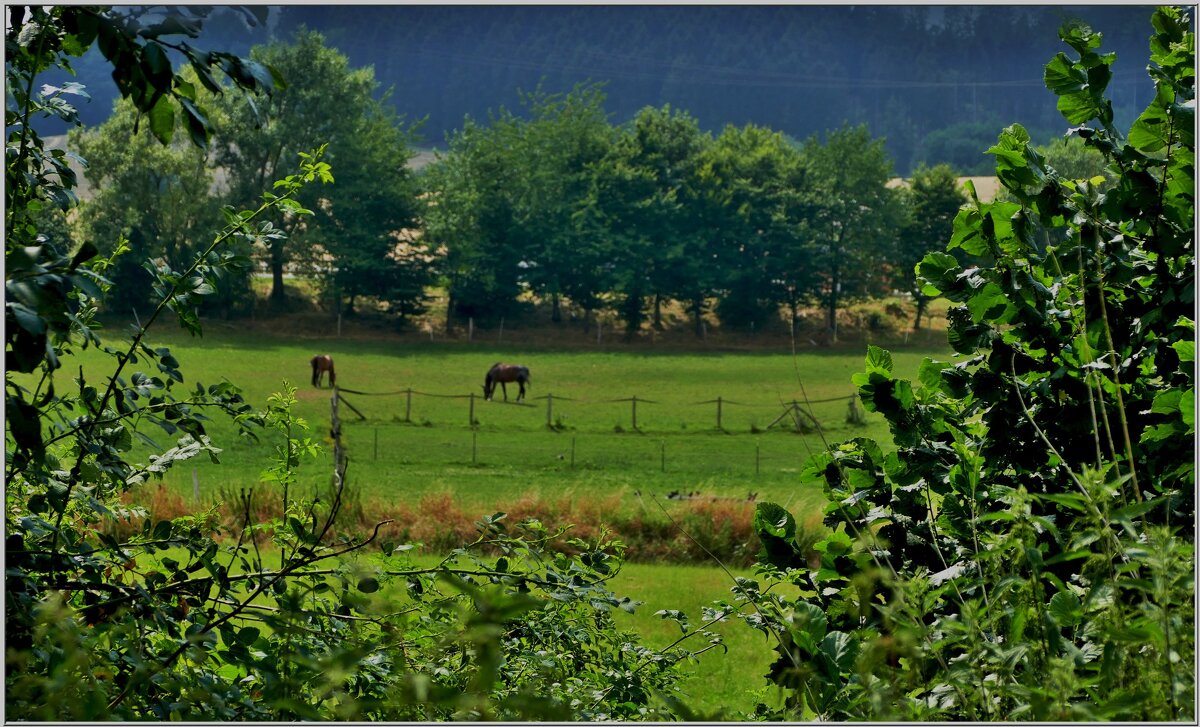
(694, 532)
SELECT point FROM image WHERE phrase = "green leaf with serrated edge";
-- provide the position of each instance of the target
(879, 359)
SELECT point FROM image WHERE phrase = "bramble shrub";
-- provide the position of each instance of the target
(192, 618)
(1026, 552)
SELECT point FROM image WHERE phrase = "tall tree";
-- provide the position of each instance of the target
(855, 212)
(554, 153)
(643, 199)
(369, 226)
(154, 195)
(325, 101)
(932, 199)
(470, 218)
(755, 178)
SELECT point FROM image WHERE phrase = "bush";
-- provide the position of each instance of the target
(1026, 552)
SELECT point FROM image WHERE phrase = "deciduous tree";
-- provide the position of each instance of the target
(931, 201)
(855, 213)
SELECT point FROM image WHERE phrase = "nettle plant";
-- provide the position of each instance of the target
(195, 619)
(1026, 551)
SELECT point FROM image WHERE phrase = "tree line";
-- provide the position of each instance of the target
(551, 201)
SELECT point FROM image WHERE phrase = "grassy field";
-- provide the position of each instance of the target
(402, 453)
(591, 448)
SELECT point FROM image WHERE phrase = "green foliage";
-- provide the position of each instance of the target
(156, 197)
(855, 212)
(358, 226)
(931, 200)
(562, 205)
(185, 620)
(1026, 552)
(506, 195)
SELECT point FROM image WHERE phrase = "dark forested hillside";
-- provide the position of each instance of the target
(905, 71)
(936, 82)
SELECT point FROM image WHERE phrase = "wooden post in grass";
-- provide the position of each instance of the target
(471, 413)
(549, 410)
(718, 412)
(634, 400)
(408, 405)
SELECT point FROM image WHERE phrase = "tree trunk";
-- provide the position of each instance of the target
(277, 292)
(922, 301)
(555, 308)
(449, 310)
(658, 326)
(632, 309)
(794, 309)
(835, 284)
(698, 312)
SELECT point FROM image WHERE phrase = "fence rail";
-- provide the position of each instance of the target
(800, 413)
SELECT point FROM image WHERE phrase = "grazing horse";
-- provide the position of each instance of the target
(502, 374)
(321, 364)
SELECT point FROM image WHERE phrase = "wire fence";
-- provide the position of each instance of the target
(533, 443)
(796, 414)
(420, 447)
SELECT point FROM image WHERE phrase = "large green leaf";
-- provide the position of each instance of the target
(1066, 609)
(776, 530)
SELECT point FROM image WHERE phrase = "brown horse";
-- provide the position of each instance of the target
(502, 374)
(321, 364)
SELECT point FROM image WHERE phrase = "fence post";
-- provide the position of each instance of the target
(718, 412)
(471, 413)
(634, 411)
(549, 410)
(408, 405)
(855, 415)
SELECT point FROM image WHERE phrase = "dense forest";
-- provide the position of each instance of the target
(934, 82)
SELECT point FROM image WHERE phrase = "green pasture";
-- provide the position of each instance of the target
(404, 447)
(731, 677)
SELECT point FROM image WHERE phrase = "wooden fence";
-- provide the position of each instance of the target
(796, 413)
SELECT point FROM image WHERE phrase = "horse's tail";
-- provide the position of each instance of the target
(313, 363)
